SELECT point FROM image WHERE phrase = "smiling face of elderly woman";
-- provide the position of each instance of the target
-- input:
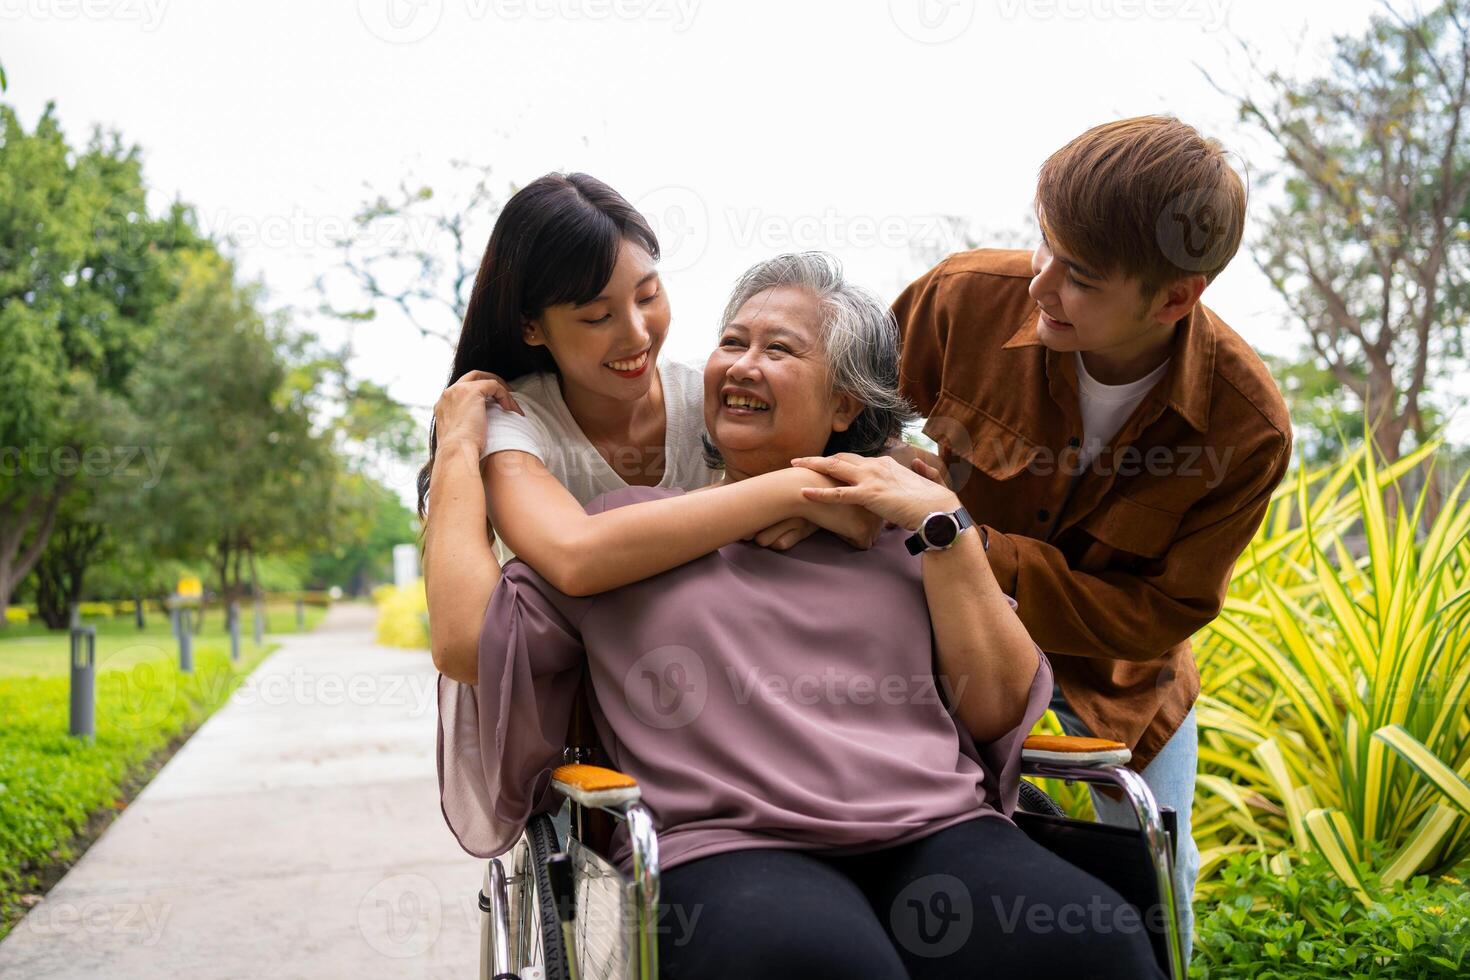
(767, 394)
(806, 364)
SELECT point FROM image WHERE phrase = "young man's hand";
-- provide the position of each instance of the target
(880, 484)
(921, 461)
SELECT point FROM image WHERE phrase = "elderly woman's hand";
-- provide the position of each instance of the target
(881, 484)
(858, 527)
(461, 413)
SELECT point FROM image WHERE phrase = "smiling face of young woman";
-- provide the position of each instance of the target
(767, 399)
(609, 346)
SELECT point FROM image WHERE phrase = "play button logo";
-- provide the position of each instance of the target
(400, 21)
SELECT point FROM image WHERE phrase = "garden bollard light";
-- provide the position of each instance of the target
(138, 613)
(300, 616)
(84, 681)
(235, 631)
(259, 623)
(186, 643)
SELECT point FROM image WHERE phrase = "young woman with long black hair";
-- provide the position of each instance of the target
(568, 305)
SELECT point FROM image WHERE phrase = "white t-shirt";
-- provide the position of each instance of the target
(548, 432)
(1106, 407)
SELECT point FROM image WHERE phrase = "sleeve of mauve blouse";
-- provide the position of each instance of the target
(499, 739)
(1001, 759)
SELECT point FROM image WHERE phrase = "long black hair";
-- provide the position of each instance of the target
(556, 241)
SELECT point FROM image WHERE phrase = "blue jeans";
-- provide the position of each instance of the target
(1171, 777)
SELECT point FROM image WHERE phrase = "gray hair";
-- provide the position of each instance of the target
(859, 336)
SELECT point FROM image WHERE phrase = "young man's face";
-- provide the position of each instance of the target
(1081, 310)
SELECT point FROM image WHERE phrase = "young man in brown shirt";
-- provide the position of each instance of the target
(1116, 441)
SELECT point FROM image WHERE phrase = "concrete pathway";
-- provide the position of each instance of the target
(297, 834)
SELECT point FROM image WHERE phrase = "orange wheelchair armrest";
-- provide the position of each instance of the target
(594, 786)
(1074, 750)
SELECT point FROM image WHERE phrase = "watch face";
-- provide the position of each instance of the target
(940, 531)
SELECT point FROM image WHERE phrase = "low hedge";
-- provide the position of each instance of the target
(403, 616)
(1309, 924)
(52, 783)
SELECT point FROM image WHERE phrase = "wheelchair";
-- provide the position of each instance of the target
(560, 910)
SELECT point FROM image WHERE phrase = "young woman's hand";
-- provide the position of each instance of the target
(460, 415)
(880, 484)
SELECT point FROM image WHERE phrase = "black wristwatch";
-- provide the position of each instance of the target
(939, 531)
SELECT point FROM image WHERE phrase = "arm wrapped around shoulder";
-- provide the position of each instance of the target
(500, 738)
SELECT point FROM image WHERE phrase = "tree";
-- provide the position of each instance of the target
(249, 471)
(416, 254)
(361, 557)
(87, 519)
(82, 274)
(1371, 244)
(61, 572)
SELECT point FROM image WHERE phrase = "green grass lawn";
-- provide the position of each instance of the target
(51, 784)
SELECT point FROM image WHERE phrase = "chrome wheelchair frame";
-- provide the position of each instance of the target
(614, 936)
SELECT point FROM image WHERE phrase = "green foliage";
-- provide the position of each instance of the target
(363, 554)
(376, 425)
(51, 783)
(84, 270)
(1321, 427)
(1334, 684)
(248, 472)
(403, 616)
(218, 435)
(1309, 924)
(129, 571)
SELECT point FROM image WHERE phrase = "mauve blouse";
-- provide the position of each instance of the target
(761, 699)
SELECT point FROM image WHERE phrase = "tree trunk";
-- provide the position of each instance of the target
(62, 570)
(16, 562)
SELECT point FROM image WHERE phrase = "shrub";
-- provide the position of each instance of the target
(403, 616)
(1309, 923)
(1334, 684)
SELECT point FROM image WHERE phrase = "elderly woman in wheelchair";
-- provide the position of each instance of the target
(813, 756)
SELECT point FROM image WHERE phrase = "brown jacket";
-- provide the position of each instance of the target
(1113, 575)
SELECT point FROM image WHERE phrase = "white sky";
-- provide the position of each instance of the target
(752, 126)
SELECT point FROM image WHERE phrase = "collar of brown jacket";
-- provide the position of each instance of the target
(1191, 371)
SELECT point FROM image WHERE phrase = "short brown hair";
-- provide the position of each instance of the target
(1148, 197)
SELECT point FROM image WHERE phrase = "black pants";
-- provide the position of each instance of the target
(979, 899)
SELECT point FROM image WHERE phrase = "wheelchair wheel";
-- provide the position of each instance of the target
(534, 916)
(1033, 799)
